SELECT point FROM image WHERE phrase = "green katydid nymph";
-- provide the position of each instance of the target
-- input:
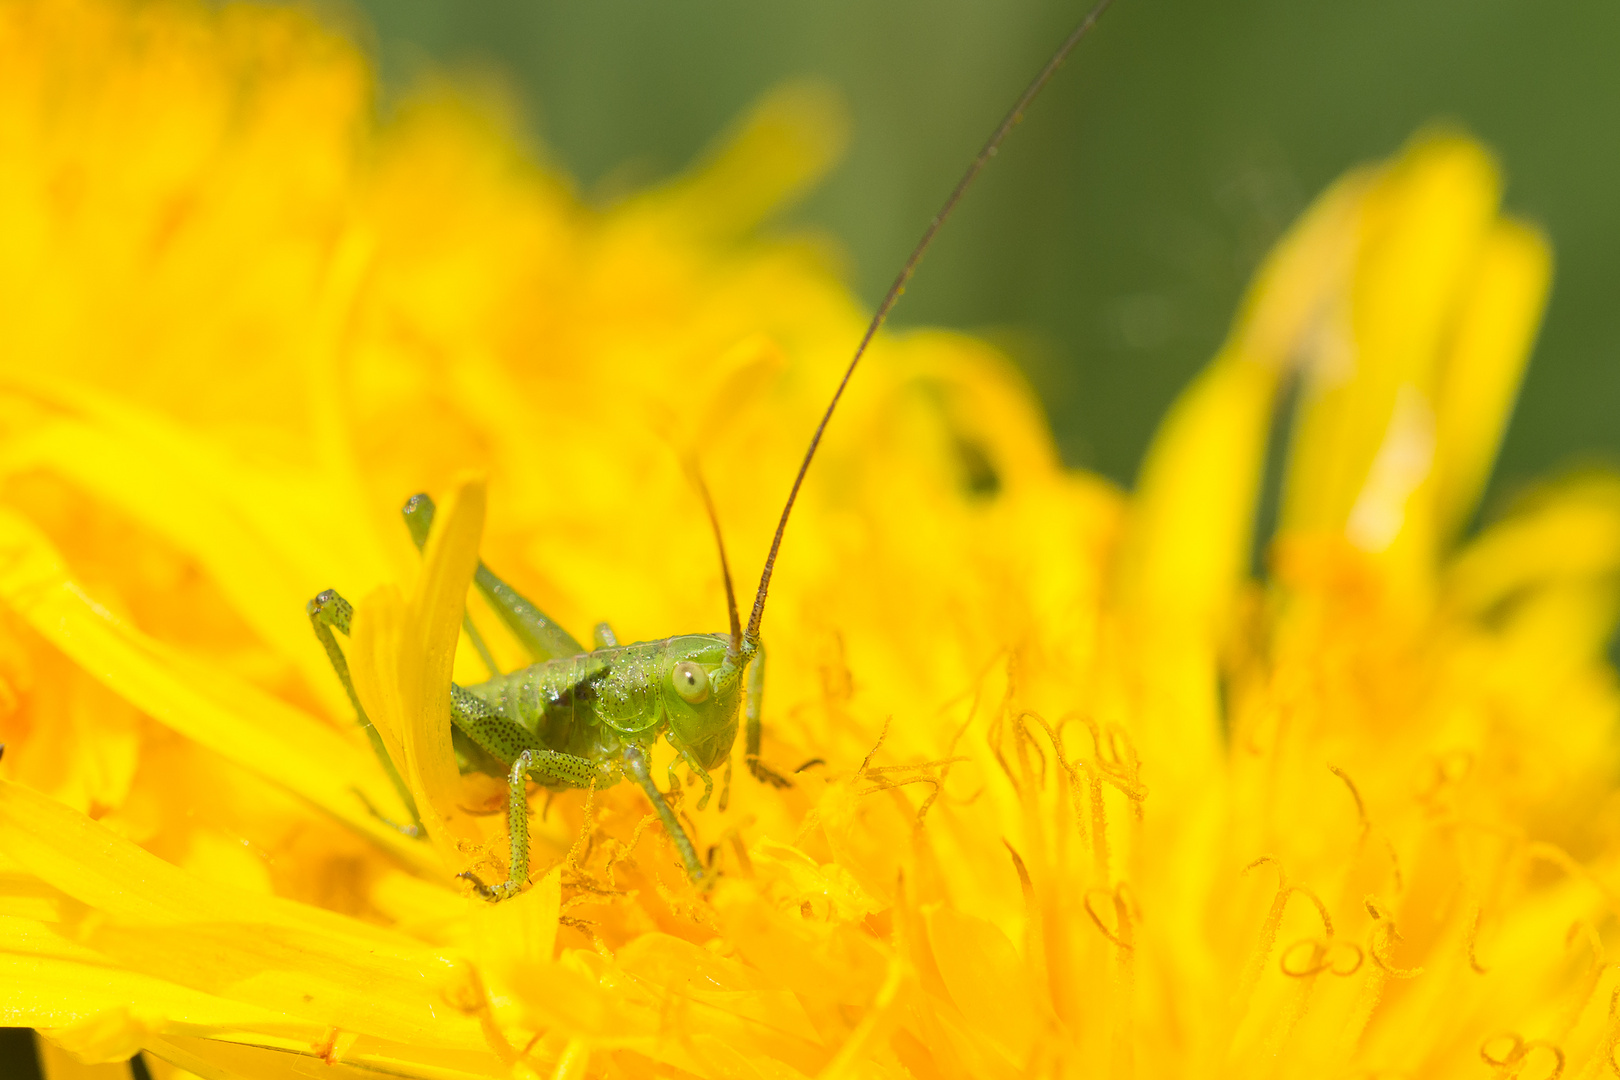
(574, 717)
(578, 717)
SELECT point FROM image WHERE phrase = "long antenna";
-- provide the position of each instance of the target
(986, 152)
(734, 650)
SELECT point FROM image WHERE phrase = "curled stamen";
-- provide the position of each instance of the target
(623, 851)
(1025, 884)
(1321, 958)
(1282, 876)
(1508, 1056)
(1051, 735)
(1133, 790)
(587, 884)
(1321, 908)
(880, 779)
(1361, 807)
(1582, 928)
(586, 926)
(581, 848)
(1473, 944)
(1124, 896)
(1315, 965)
(872, 753)
(1377, 951)
(1099, 829)
(1121, 750)
(584, 899)
(1517, 1050)
(1394, 864)
(885, 784)
(938, 763)
(1026, 740)
(1118, 935)
(1072, 774)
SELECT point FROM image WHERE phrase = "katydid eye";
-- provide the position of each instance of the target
(691, 682)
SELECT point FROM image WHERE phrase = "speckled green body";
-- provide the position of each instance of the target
(590, 707)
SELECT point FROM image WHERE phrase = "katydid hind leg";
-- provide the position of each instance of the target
(506, 740)
(755, 727)
(536, 631)
(517, 827)
(498, 739)
(328, 611)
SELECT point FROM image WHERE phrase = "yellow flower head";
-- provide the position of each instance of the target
(1075, 794)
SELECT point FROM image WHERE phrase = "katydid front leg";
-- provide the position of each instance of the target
(636, 760)
(327, 612)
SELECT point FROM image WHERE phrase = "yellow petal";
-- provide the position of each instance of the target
(102, 1012)
(87, 755)
(1482, 367)
(312, 964)
(374, 659)
(786, 144)
(218, 1059)
(1192, 517)
(987, 979)
(58, 1064)
(433, 628)
(235, 719)
(522, 930)
(402, 660)
(1362, 460)
(1564, 533)
(270, 539)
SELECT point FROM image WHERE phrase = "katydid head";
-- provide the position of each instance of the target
(702, 688)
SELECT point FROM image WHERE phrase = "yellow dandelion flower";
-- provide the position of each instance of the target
(1084, 798)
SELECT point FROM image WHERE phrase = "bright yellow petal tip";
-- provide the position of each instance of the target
(1074, 793)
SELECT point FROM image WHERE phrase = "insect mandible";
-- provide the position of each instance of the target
(578, 717)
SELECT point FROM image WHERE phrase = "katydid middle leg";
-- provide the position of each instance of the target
(683, 754)
(751, 712)
(534, 629)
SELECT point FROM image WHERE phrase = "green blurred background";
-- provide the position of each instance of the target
(1107, 246)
